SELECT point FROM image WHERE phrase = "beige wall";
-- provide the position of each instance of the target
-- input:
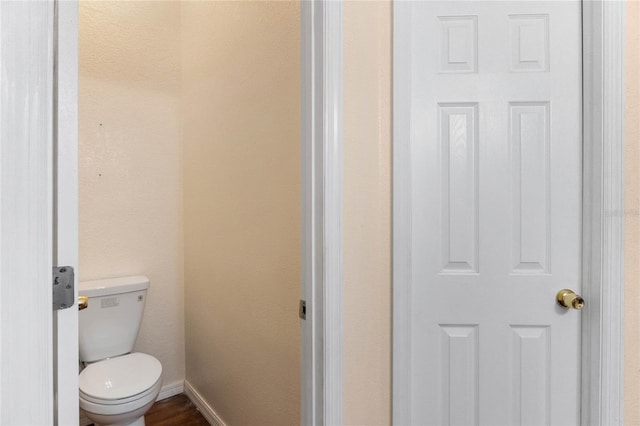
(632, 218)
(130, 192)
(241, 105)
(367, 213)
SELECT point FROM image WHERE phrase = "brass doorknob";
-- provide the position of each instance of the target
(569, 299)
(83, 302)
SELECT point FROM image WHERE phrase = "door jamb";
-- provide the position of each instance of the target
(603, 212)
(603, 216)
(65, 204)
(322, 160)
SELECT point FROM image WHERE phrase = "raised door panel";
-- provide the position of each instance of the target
(459, 177)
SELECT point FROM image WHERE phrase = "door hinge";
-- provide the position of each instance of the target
(302, 312)
(63, 287)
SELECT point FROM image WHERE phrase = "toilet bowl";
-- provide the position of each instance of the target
(119, 391)
(117, 386)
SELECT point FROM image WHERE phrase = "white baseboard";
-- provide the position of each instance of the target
(212, 417)
(171, 389)
(84, 420)
(166, 391)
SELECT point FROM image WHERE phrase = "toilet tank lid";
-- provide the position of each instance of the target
(113, 286)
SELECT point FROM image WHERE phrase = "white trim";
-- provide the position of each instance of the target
(603, 216)
(171, 389)
(84, 420)
(332, 235)
(401, 205)
(65, 325)
(207, 411)
(26, 182)
(322, 162)
(603, 213)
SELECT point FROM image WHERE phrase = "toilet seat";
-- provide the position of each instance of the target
(140, 404)
(120, 380)
(120, 401)
(118, 407)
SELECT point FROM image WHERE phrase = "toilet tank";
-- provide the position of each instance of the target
(109, 326)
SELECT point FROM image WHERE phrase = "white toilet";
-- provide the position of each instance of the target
(117, 387)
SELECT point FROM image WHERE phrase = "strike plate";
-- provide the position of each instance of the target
(302, 310)
(63, 287)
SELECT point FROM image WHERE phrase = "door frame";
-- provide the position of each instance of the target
(603, 212)
(602, 398)
(321, 69)
(65, 204)
(322, 182)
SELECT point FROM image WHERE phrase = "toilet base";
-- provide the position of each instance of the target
(137, 422)
(132, 418)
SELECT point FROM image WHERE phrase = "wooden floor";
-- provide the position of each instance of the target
(177, 410)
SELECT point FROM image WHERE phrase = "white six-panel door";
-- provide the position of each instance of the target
(490, 117)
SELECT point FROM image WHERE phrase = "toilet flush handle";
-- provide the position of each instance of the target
(83, 302)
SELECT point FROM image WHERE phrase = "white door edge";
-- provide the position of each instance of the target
(322, 183)
(26, 182)
(603, 217)
(66, 209)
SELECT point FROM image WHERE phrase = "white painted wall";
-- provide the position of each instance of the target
(130, 162)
